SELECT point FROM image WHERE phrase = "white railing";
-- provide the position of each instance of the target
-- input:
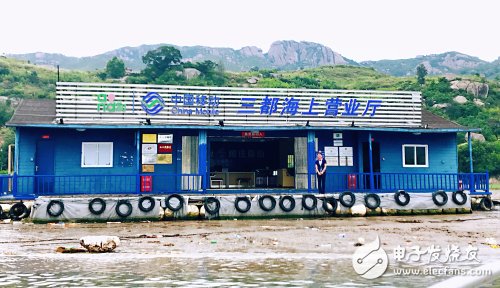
(104, 103)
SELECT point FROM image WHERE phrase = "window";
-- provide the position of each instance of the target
(290, 161)
(415, 155)
(97, 154)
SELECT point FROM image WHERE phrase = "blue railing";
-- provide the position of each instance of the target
(475, 183)
(32, 186)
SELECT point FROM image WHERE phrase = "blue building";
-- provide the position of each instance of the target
(97, 138)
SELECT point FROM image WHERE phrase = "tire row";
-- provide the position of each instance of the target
(97, 206)
(243, 204)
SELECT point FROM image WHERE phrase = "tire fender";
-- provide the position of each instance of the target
(263, 206)
(304, 202)
(121, 203)
(53, 203)
(147, 208)
(174, 208)
(211, 200)
(406, 196)
(369, 204)
(282, 203)
(348, 203)
(242, 199)
(459, 197)
(443, 195)
(332, 201)
(101, 202)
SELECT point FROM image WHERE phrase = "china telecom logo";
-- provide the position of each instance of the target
(370, 261)
(152, 103)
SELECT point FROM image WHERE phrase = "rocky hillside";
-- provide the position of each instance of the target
(437, 64)
(284, 55)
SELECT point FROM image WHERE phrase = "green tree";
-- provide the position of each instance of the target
(33, 77)
(421, 73)
(8, 137)
(485, 156)
(115, 68)
(160, 60)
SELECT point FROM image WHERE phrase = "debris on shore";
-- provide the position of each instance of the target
(93, 244)
(100, 244)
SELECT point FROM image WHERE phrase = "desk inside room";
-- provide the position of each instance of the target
(233, 180)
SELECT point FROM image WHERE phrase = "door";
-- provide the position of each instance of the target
(376, 164)
(44, 167)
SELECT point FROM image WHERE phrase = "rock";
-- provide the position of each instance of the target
(358, 210)
(450, 77)
(441, 105)
(475, 136)
(460, 99)
(253, 80)
(100, 244)
(477, 89)
(307, 54)
(190, 73)
(457, 61)
(478, 102)
(252, 51)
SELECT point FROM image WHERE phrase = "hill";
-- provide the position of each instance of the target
(472, 101)
(283, 55)
(438, 64)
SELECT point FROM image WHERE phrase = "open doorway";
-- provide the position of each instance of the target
(240, 163)
(375, 163)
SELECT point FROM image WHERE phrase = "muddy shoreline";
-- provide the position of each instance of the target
(290, 242)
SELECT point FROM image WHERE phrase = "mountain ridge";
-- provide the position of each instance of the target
(282, 55)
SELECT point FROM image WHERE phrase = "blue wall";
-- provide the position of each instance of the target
(442, 151)
(68, 144)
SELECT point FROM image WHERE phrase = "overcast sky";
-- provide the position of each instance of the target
(357, 29)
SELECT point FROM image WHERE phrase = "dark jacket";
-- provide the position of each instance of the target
(322, 166)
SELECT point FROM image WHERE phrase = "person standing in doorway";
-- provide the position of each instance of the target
(320, 165)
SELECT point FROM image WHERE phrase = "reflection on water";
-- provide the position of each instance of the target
(108, 270)
(294, 253)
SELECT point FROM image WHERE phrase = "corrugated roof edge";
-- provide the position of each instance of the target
(42, 113)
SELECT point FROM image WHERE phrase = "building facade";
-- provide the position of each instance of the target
(97, 138)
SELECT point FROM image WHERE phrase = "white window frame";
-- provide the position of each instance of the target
(415, 155)
(83, 165)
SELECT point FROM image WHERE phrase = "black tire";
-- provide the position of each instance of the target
(53, 203)
(147, 208)
(101, 202)
(486, 204)
(263, 206)
(304, 202)
(282, 203)
(208, 202)
(18, 211)
(348, 203)
(369, 203)
(397, 198)
(247, 201)
(119, 212)
(332, 201)
(174, 208)
(437, 201)
(459, 197)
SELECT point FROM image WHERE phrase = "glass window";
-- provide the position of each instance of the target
(409, 155)
(421, 155)
(97, 154)
(290, 161)
(415, 155)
